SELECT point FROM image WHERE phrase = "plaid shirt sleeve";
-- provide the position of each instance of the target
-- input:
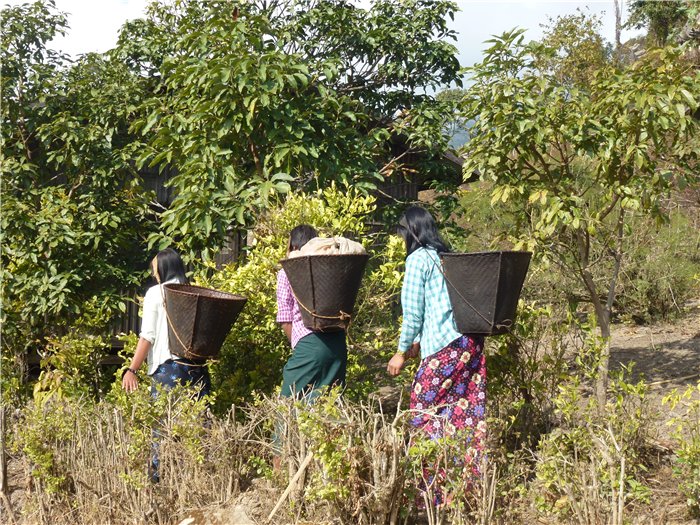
(285, 299)
(412, 301)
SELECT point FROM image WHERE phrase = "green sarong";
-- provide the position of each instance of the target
(317, 361)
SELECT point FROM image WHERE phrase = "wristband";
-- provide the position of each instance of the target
(128, 370)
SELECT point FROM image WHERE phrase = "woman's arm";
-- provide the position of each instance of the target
(413, 306)
(412, 302)
(285, 304)
(129, 380)
(287, 329)
(149, 324)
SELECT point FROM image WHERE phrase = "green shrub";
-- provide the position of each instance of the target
(89, 459)
(590, 468)
(685, 429)
(525, 368)
(661, 265)
(44, 427)
(71, 367)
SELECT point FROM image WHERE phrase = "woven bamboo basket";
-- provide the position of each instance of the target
(326, 286)
(199, 319)
(484, 289)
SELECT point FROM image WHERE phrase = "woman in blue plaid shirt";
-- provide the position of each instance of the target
(448, 396)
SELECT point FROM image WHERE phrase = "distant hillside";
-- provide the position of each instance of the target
(460, 134)
(459, 139)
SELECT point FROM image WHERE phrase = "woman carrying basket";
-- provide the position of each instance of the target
(448, 395)
(163, 367)
(318, 359)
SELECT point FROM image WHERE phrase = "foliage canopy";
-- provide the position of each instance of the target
(240, 101)
(579, 160)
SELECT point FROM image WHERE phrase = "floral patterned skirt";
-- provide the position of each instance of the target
(448, 397)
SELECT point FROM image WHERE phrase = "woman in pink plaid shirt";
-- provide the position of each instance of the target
(318, 359)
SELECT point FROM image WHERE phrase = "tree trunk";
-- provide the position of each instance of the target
(602, 313)
(4, 488)
(4, 481)
(618, 24)
(603, 317)
(601, 384)
(605, 314)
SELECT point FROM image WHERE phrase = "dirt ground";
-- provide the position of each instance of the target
(666, 355)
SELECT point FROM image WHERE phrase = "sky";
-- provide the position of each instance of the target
(94, 24)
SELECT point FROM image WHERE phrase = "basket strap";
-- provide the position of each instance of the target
(170, 324)
(198, 365)
(509, 322)
(342, 316)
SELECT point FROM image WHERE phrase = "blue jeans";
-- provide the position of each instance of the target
(170, 374)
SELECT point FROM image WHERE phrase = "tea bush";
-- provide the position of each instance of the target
(685, 429)
(526, 367)
(89, 459)
(71, 367)
(550, 451)
(352, 463)
(591, 466)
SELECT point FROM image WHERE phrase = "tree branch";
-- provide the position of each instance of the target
(610, 207)
(618, 259)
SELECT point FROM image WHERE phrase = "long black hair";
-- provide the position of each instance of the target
(170, 266)
(418, 228)
(300, 235)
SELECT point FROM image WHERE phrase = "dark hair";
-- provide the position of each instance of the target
(418, 228)
(170, 266)
(300, 235)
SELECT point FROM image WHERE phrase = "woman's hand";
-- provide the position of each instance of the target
(396, 364)
(129, 381)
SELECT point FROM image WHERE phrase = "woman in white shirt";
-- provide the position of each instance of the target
(163, 367)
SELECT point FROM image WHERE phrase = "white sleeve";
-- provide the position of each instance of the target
(149, 321)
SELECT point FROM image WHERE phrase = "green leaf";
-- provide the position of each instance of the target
(152, 119)
(240, 217)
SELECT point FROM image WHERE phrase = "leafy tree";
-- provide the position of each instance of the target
(661, 19)
(578, 161)
(575, 48)
(398, 45)
(259, 97)
(241, 100)
(74, 218)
